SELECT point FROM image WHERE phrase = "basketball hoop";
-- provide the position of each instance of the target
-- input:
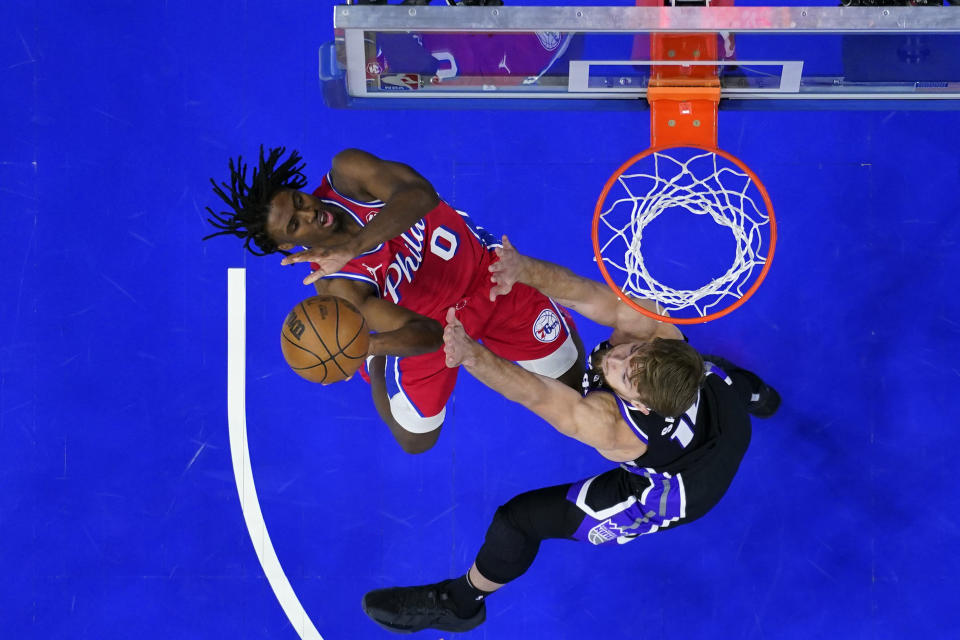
(684, 172)
(662, 183)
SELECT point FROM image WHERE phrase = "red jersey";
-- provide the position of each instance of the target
(435, 264)
(443, 261)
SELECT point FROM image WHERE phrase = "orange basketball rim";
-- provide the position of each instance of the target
(684, 94)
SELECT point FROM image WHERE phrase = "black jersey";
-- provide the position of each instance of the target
(704, 445)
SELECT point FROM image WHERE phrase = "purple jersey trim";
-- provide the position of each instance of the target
(661, 504)
(625, 412)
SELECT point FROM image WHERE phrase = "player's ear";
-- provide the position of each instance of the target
(642, 408)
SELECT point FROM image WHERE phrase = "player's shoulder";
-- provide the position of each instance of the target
(349, 169)
(351, 156)
(717, 387)
(606, 417)
(603, 404)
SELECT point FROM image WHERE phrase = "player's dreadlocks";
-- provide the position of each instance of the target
(250, 203)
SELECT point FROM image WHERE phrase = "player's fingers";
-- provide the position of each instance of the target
(500, 289)
(449, 349)
(449, 342)
(300, 256)
(313, 277)
(506, 242)
(452, 317)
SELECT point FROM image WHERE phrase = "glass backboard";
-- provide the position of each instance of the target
(600, 57)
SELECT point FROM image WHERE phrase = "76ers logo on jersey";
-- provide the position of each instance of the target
(547, 326)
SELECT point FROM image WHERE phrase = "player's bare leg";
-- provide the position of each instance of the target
(409, 442)
(480, 582)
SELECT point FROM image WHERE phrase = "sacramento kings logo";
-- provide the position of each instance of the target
(547, 326)
(550, 40)
(600, 533)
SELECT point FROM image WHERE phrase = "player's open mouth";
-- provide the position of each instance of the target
(324, 219)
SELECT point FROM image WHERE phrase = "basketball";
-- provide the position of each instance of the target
(324, 339)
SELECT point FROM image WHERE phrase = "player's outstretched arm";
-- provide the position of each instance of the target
(399, 331)
(587, 297)
(594, 420)
(407, 197)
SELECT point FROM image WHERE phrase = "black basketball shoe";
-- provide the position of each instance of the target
(765, 401)
(409, 609)
(766, 404)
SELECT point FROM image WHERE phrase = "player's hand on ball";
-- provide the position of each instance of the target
(329, 260)
(506, 271)
(457, 345)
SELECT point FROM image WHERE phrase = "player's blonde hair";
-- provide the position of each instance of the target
(667, 375)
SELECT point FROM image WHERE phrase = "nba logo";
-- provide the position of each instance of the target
(401, 82)
(547, 326)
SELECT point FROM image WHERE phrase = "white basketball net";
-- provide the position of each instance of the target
(700, 185)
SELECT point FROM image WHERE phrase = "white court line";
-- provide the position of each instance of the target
(240, 452)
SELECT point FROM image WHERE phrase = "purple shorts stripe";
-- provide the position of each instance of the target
(659, 505)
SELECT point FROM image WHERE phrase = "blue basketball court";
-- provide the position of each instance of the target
(120, 508)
